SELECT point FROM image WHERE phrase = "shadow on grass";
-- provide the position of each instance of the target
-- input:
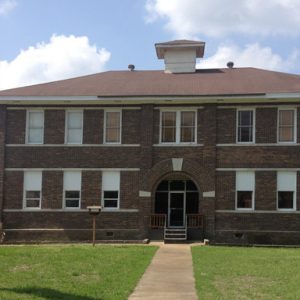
(47, 293)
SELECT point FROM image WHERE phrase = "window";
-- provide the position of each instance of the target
(110, 189)
(245, 186)
(245, 126)
(286, 125)
(112, 131)
(72, 189)
(74, 124)
(286, 190)
(32, 189)
(178, 127)
(35, 127)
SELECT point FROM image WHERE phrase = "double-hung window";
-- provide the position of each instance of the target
(287, 125)
(72, 189)
(74, 126)
(178, 127)
(286, 190)
(32, 189)
(245, 187)
(35, 127)
(245, 126)
(112, 128)
(111, 189)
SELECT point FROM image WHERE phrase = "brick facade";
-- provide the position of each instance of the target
(211, 163)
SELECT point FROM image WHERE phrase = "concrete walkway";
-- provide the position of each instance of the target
(169, 276)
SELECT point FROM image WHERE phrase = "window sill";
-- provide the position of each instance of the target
(177, 145)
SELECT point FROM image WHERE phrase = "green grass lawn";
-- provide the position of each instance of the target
(77, 272)
(247, 273)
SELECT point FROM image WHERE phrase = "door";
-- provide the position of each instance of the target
(176, 209)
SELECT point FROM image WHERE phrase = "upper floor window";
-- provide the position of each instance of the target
(286, 190)
(178, 127)
(35, 127)
(72, 189)
(74, 125)
(286, 125)
(245, 126)
(111, 189)
(32, 189)
(245, 187)
(112, 128)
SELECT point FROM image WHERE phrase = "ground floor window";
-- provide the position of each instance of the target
(32, 189)
(111, 189)
(72, 189)
(286, 190)
(245, 187)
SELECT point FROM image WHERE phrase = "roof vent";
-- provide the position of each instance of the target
(230, 64)
(131, 67)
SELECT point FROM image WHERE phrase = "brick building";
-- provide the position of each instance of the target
(178, 153)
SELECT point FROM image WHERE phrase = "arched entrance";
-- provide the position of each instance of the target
(175, 199)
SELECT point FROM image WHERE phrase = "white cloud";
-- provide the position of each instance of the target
(189, 18)
(62, 57)
(6, 6)
(252, 55)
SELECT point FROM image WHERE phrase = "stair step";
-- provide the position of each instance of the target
(175, 239)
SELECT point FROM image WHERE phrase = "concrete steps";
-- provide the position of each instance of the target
(175, 235)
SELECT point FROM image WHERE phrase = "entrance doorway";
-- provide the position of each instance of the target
(176, 199)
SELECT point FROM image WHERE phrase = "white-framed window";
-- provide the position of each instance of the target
(32, 189)
(35, 127)
(178, 126)
(72, 189)
(111, 189)
(245, 132)
(112, 126)
(245, 187)
(74, 127)
(287, 125)
(286, 190)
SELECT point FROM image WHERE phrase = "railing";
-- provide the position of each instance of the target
(195, 221)
(158, 221)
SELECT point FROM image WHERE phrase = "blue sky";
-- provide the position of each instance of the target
(55, 39)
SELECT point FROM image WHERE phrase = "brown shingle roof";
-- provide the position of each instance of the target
(235, 81)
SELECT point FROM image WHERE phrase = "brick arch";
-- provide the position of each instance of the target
(164, 169)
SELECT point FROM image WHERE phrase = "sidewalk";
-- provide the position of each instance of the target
(169, 276)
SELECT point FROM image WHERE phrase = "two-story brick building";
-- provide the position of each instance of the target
(211, 152)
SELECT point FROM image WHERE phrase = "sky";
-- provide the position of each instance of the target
(47, 40)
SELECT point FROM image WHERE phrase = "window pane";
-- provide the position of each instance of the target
(244, 199)
(169, 119)
(286, 200)
(112, 135)
(32, 203)
(245, 118)
(286, 118)
(245, 134)
(74, 119)
(35, 136)
(188, 118)
(113, 119)
(72, 203)
(192, 202)
(111, 194)
(111, 203)
(177, 185)
(168, 135)
(286, 134)
(74, 136)
(33, 194)
(190, 186)
(72, 194)
(163, 186)
(187, 135)
(161, 202)
(36, 119)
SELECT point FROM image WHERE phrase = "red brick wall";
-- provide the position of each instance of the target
(15, 126)
(131, 126)
(52, 189)
(93, 126)
(266, 125)
(54, 126)
(91, 186)
(13, 190)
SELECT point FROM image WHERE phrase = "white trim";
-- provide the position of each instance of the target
(178, 112)
(70, 108)
(24, 204)
(252, 189)
(27, 127)
(103, 189)
(253, 125)
(178, 108)
(73, 169)
(66, 125)
(64, 193)
(72, 145)
(256, 211)
(121, 210)
(119, 110)
(177, 145)
(295, 125)
(256, 106)
(258, 145)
